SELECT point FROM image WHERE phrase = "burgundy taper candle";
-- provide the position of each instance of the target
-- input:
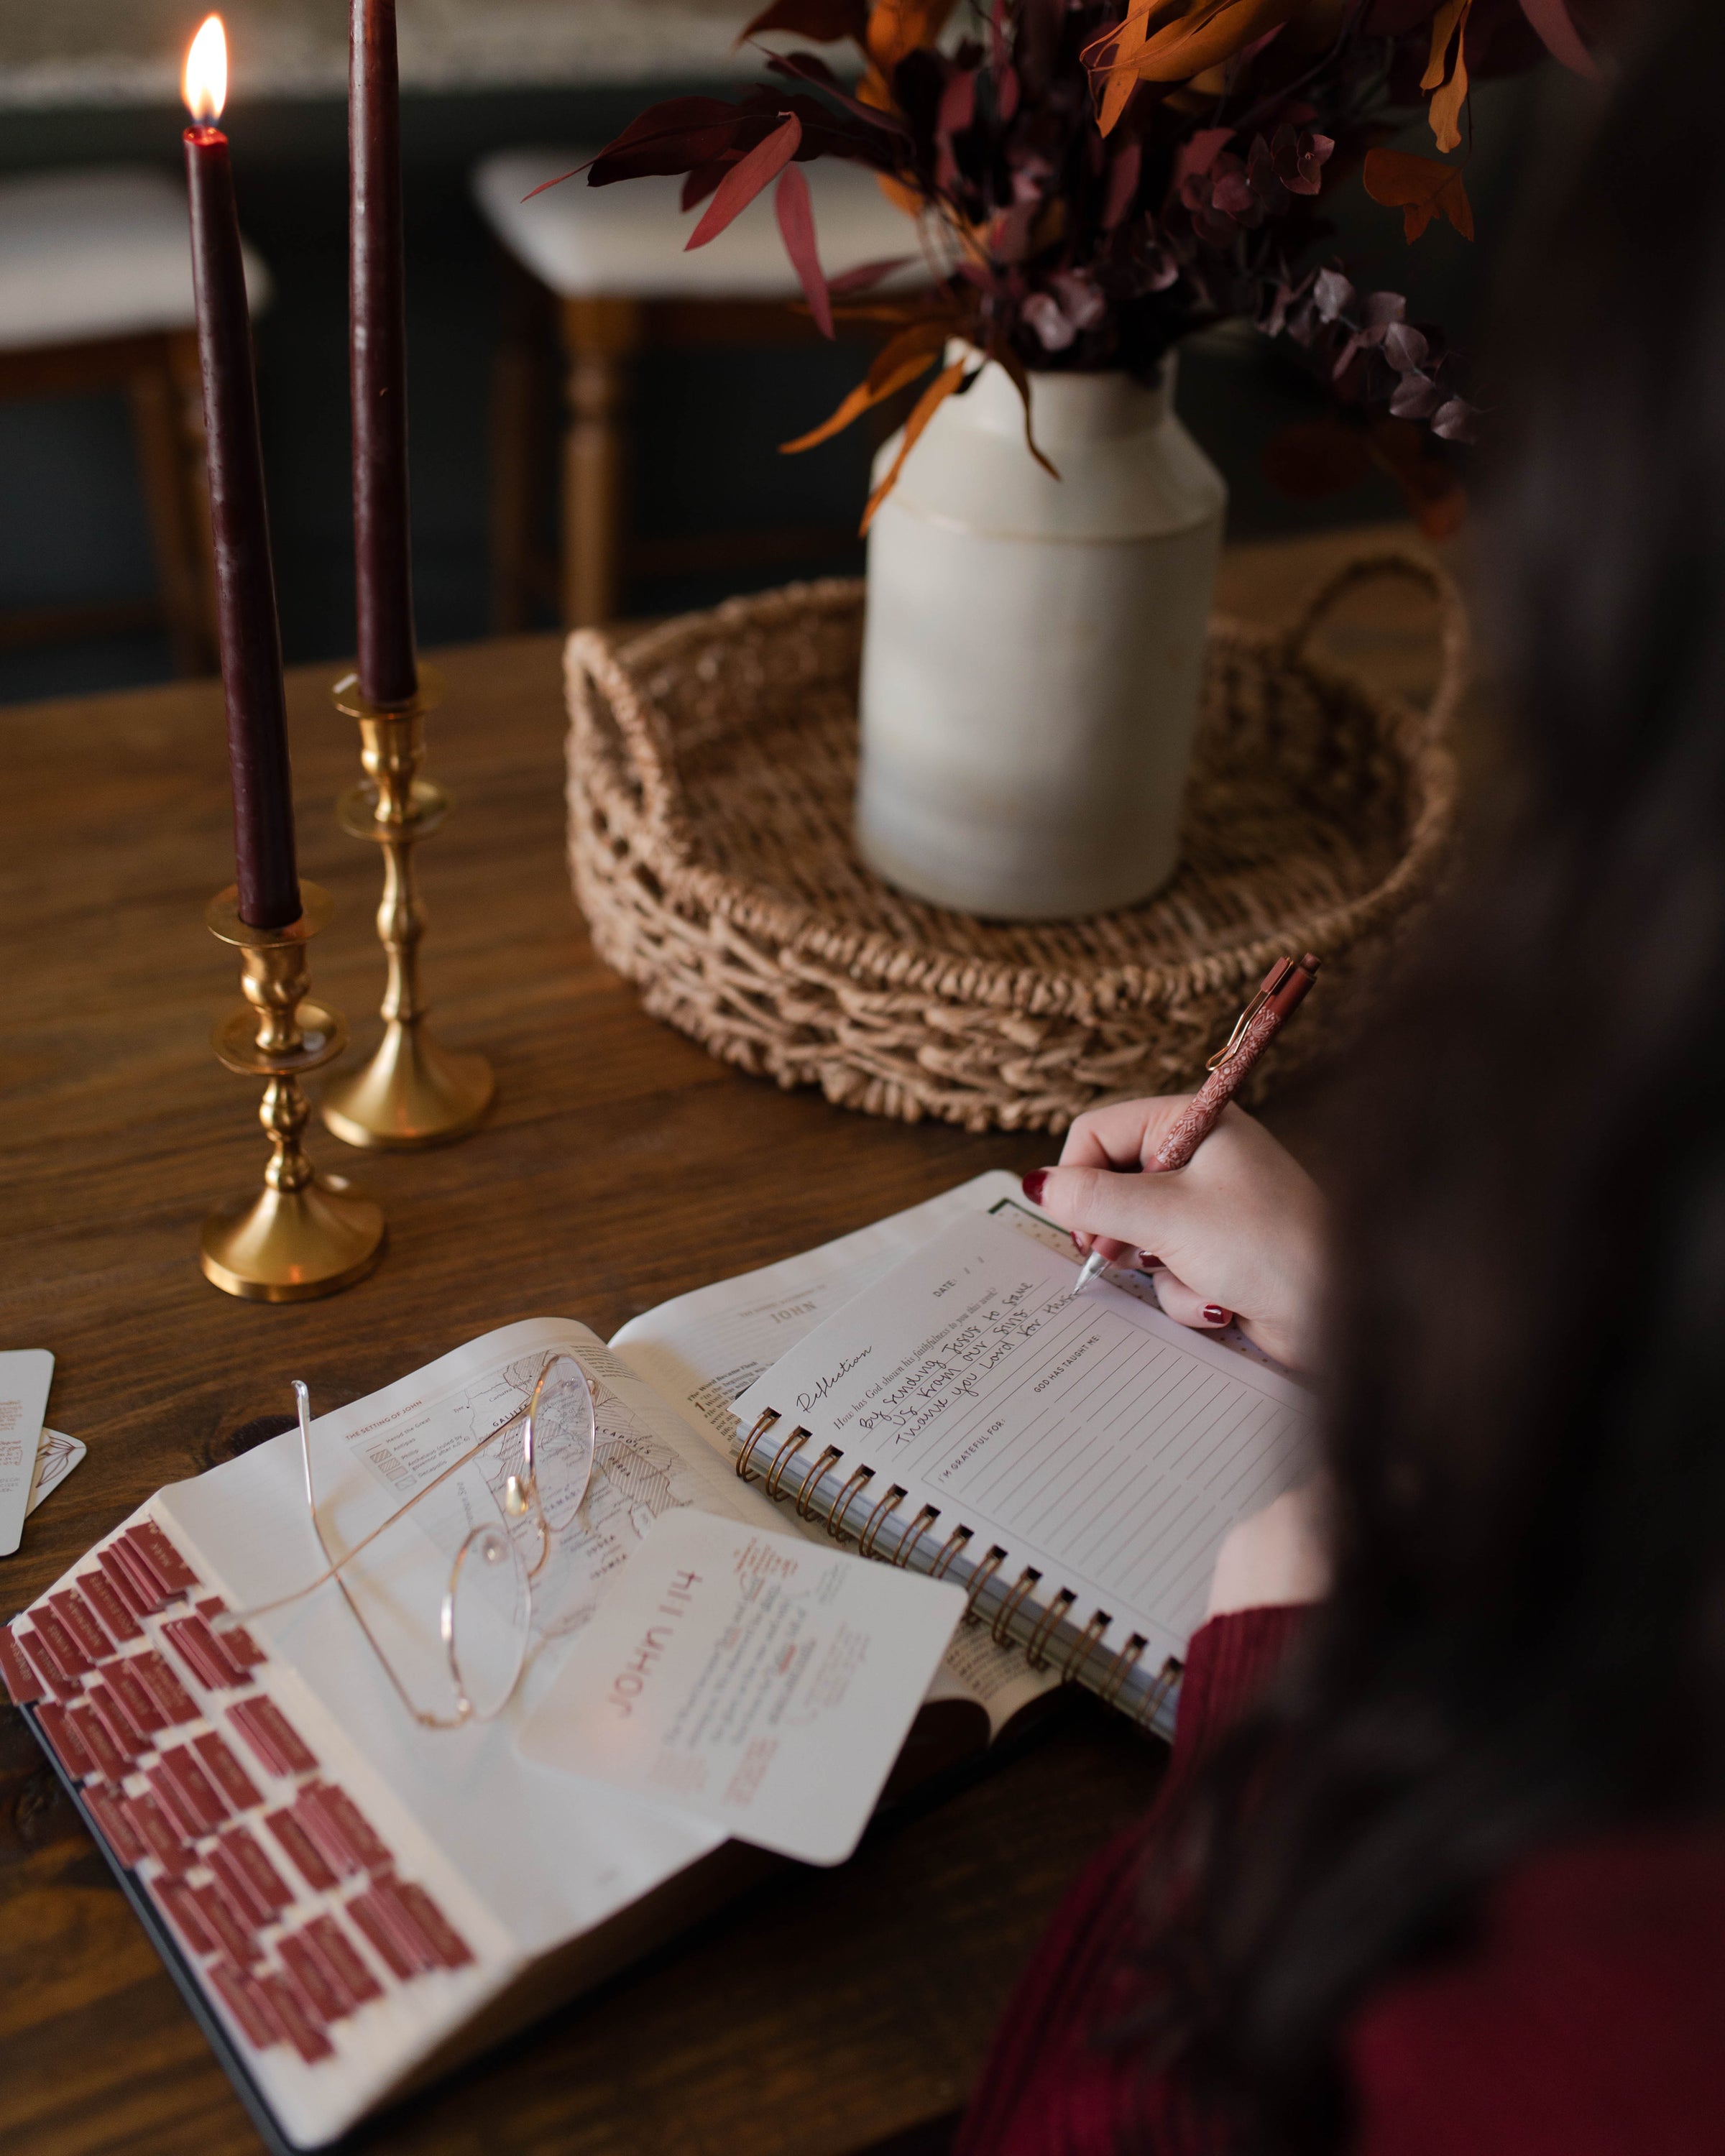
(377, 359)
(250, 633)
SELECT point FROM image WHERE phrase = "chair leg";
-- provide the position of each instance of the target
(519, 396)
(600, 336)
(173, 539)
(187, 378)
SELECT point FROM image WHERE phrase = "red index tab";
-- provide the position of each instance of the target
(343, 1960)
(263, 1881)
(208, 1807)
(153, 1828)
(350, 1824)
(174, 1802)
(225, 1771)
(247, 2004)
(94, 1736)
(239, 1642)
(271, 1735)
(182, 1911)
(301, 1848)
(203, 1653)
(303, 2033)
(124, 1731)
(138, 1580)
(39, 1653)
(110, 1814)
(79, 1620)
(134, 1695)
(70, 1747)
(169, 1695)
(171, 1567)
(315, 1979)
(398, 1944)
(120, 1576)
(22, 1681)
(445, 1942)
(55, 1630)
(228, 1921)
(100, 1592)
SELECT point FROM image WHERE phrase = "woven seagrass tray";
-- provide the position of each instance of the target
(711, 764)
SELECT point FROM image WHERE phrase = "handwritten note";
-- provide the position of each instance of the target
(754, 1679)
(25, 1375)
(1092, 1441)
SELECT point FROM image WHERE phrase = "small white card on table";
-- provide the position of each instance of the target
(755, 1679)
(25, 1375)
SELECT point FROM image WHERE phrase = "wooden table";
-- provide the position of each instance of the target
(831, 2011)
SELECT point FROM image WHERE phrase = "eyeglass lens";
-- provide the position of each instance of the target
(486, 1619)
(559, 1439)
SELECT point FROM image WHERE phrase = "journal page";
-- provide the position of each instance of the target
(1091, 1440)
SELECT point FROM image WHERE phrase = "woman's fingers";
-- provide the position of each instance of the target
(1123, 1135)
(1127, 1208)
(1187, 1307)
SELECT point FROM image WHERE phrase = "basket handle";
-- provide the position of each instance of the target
(638, 722)
(1456, 644)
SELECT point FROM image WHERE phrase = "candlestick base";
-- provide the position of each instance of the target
(303, 1234)
(413, 1092)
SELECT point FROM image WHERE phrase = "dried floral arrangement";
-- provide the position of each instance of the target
(1091, 182)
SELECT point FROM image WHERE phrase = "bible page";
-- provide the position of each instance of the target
(702, 1350)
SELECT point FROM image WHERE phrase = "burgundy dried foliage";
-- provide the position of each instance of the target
(1093, 181)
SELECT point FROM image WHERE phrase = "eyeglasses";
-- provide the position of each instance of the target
(484, 1624)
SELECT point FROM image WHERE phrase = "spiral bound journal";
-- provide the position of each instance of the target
(1075, 1462)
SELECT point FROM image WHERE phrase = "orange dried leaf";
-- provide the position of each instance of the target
(927, 404)
(1420, 188)
(1448, 98)
(900, 360)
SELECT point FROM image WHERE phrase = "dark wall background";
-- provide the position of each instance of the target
(72, 525)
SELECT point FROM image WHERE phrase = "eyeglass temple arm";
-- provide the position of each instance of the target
(302, 1399)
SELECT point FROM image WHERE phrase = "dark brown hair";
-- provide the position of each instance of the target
(1527, 1636)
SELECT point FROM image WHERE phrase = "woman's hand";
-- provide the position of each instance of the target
(1281, 1554)
(1238, 1232)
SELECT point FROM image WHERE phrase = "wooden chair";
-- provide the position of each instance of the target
(608, 264)
(95, 294)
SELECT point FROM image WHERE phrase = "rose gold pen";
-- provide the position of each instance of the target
(1283, 990)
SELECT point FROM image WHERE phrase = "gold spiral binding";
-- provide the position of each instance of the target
(835, 1518)
(1124, 1663)
(1085, 1647)
(1045, 1630)
(877, 1519)
(914, 1533)
(955, 1541)
(979, 1580)
(805, 1505)
(1169, 1674)
(763, 1422)
(1000, 1630)
(782, 1458)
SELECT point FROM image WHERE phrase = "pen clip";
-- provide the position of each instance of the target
(1274, 982)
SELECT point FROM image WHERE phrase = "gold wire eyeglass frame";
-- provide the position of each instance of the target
(484, 1544)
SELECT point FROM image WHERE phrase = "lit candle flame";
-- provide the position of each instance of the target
(205, 86)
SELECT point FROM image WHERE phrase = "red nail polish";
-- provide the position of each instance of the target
(1147, 1263)
(1034, 1183)
(1213, 1314)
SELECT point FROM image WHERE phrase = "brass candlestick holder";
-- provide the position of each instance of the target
(301, 1235)
(413, 1092)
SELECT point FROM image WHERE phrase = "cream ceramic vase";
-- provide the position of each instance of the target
(1033, 650)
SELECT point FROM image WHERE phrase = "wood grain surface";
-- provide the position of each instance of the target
(829, 2011)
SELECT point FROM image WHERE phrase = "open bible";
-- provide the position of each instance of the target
(349, 1901)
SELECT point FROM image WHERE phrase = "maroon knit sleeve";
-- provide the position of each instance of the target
(1049, 2088)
